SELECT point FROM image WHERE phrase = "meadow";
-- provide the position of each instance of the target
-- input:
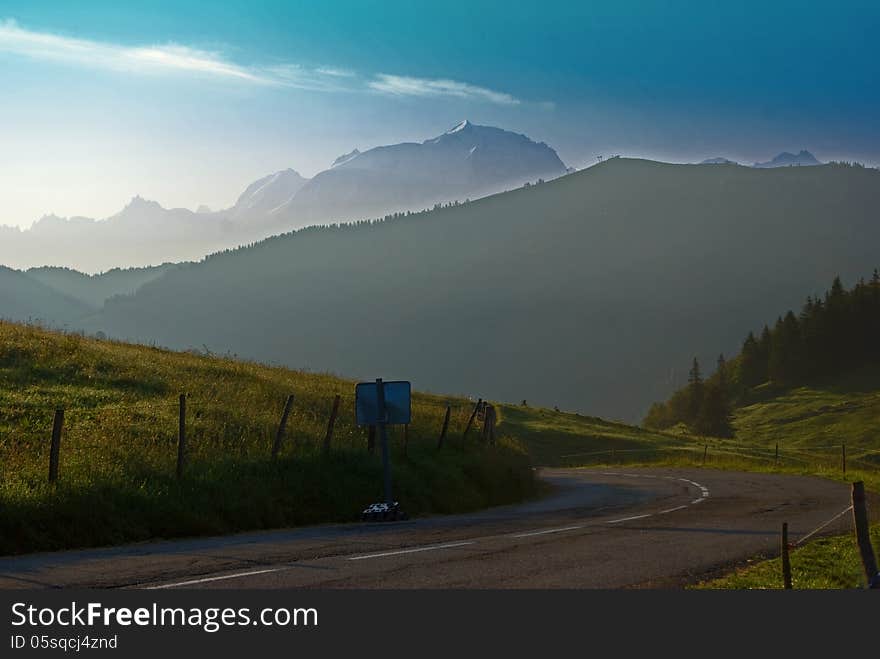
(117, 474)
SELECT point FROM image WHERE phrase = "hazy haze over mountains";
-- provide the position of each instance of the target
(466, 161)
(24, 299)
(784, 159)
(592, 292)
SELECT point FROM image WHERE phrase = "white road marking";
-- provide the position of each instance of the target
(704, 491)
(237, 575)
(546, 531)
(448, 545)
(672, 510)
(626, 519)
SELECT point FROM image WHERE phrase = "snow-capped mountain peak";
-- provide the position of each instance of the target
(346, 157)
(268, 193)
(459, 127)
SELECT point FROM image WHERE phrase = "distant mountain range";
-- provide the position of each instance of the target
(784, 159)
(467, 161)
(719, 161)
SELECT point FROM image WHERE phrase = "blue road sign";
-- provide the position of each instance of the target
(397, 403)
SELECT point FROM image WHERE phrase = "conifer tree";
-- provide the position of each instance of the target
(721, 370)
(695, 391)
(714, 416)
(751, 367)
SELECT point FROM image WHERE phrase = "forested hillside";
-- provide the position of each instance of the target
(832, 337)
(587, 292)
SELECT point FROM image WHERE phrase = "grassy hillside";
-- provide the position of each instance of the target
(844, 410)
(117, 469)
(564, 439)
(585, 292)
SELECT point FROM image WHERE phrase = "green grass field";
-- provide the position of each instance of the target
(831, 562)
(119, 447)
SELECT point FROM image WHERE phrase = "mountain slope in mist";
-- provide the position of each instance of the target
(466, 161)
(25, 299)
(591, 292)
(94, 290)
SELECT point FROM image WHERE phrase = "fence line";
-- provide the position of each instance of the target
(247, 437)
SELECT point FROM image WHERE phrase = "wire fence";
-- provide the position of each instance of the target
(133, 436)
(840, 457)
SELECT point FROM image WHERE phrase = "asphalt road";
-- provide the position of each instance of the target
(599, 529)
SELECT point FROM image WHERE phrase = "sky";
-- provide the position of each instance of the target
(188, 102)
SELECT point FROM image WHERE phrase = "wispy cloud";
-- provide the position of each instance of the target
(167, 58)
(409, 86)
(181, 59)
(336, 72)
(301, 77)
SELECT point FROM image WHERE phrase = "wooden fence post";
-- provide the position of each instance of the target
(55, 448)
(405, 439)
(786, 561)
(485, 429)
(282, 426)
(863, 535)
(445, 427)
(843, 458)
(181, 436)
(332, 422)
(371, 438)
(471, 419)
(491, 412)
(776, 455)
(705, 452)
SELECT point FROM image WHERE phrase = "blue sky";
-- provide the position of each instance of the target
(187, 102)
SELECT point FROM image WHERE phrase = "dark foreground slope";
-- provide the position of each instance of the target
(587, 292)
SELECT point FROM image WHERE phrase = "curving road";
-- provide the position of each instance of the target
(599, 529)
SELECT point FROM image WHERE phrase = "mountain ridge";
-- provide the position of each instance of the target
(587, 302)
(785, 159)
(464, 162)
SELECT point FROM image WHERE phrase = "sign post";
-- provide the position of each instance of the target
(379, 404)
(383, 438)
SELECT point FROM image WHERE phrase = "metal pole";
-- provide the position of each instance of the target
(383, 437)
